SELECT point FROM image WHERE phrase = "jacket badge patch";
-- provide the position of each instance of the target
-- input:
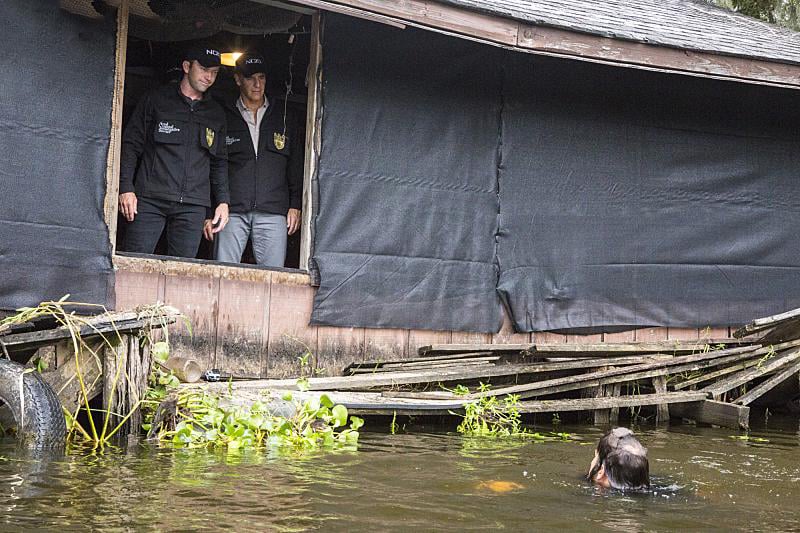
(279, 139)
(209, 136)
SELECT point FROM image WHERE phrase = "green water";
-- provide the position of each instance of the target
(423, 481)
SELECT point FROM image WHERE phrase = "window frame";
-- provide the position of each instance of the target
(312, 144)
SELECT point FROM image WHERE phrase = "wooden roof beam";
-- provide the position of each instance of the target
(512, 34)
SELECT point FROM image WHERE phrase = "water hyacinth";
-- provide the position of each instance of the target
(316, 422)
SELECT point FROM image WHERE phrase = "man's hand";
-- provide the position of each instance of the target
(293, 220)
(219, 221)
(208, 230)
(127, 205)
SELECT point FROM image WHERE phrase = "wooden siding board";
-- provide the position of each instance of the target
(240, 327)
(507, 335)
(385, 343)
(290, 335)
(651, 334)
(138, 288)
(198, 299)
(338, 347)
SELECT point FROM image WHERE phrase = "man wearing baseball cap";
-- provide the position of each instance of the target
(173, 167)
(264, 169)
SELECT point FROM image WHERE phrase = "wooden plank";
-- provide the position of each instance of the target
(581, 45)
(548, 337)
(639, 371)
(713, 412)
(591, 340)
(750, 374)
(388, 343)
(111, 199)
(466, 337)
(241, 324)
(768, 385)
(197, 299)
(662, 409)
(290, 335)
(602, 417)
(384, 362)
(426, 365)
(651, 335)
(619, 337)
(313, 141)
(601, 349)
(708, 376)
(339, 347)
(682, 334)
(613, 413)
(768, 321)
(590, 404)
(781, 332)
(64, 379)
(466, 348)
(418, 338)
(134, 289)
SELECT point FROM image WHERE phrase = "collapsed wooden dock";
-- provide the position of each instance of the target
(712, 381)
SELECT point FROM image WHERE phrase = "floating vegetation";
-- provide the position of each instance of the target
(491, 416)
(202, 421)
(748, 438)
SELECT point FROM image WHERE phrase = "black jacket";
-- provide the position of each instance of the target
(273, 181)
(181, 147)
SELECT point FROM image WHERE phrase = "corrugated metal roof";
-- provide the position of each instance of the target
(684, 24)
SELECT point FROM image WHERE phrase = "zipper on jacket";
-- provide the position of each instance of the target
(255, 177)
(186, 155)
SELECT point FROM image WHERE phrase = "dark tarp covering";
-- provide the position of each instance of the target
(55, 108)
(626, 198)
(407, 211)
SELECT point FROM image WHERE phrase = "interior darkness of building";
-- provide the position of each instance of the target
(151, 63)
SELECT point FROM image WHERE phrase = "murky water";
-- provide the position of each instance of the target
(420, 481)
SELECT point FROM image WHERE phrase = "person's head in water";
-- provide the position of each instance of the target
(620, 462)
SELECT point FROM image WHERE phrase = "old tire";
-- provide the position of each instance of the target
(35, 408)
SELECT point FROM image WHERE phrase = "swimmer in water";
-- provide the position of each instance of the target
(620, 462)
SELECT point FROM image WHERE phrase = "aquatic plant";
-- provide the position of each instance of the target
(63, 312)
(202, 421)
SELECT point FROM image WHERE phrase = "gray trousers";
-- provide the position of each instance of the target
(268, 233)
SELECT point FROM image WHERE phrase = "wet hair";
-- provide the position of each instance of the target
(627, 470)
(619, 440)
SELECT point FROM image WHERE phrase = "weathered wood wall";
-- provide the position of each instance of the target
(254, 322)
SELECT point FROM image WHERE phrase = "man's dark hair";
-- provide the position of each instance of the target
(607, 444)
(627, 470)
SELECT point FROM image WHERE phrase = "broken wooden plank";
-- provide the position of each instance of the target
(713, 412)
(466, 348)
(669, 347)
(382, 362)
(64, 379)
(766, 322)
(768, 385)
(427, 366)
(750, 374)
(590, 404)
(641, 371)
(708, 376)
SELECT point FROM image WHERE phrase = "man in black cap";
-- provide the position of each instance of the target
(264, 169)
(173, 167)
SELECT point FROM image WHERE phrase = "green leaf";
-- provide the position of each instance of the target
(339, 413)
(356, 423)
(160, 351)
(326, 401)
(287, 397)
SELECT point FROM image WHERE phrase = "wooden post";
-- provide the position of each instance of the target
(613, 413)
(662, 410)
(313, 140)
(115, 137)
(602, 417)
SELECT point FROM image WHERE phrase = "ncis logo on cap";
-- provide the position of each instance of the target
(205, 55)
(249, 64)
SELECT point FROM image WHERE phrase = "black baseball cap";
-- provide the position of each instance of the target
(249, 64)
(208, 56)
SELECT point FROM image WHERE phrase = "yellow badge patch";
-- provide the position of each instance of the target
(279, 139)
(210, 137)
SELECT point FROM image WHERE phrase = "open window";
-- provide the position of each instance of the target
(157, 34)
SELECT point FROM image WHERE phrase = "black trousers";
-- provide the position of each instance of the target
(184, 223)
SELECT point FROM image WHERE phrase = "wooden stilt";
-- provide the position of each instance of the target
(662, 409)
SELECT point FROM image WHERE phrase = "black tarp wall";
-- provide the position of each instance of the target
(55, 107)
(454, 175)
